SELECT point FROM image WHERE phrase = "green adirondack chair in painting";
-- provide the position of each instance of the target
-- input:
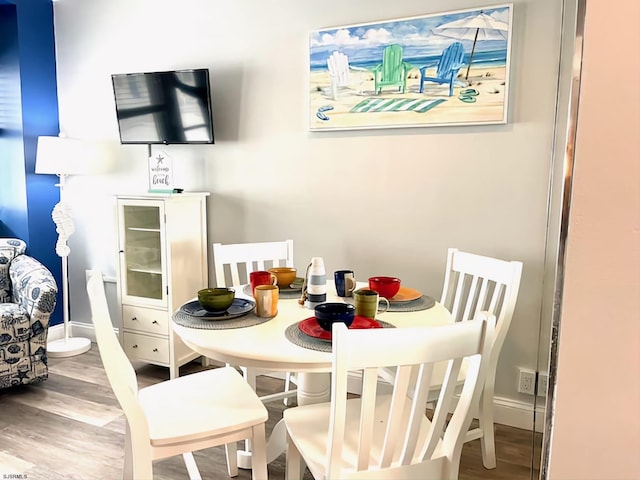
(393, 71)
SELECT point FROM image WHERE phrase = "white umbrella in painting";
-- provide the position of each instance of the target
(475, 27)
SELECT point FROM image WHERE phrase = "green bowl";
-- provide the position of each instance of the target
(216, 299)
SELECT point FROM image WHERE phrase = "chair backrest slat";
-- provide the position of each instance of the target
(396, 421)
(367, 411)
(475, 297)
(243, 258)
(423, 380)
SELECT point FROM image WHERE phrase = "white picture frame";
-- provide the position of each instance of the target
(347, 64)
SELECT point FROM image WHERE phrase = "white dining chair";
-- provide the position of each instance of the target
(233, 262)
(193, 412)
(388, 435)
(474, 283)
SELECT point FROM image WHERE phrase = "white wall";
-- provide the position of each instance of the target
(596, 432)
(411, 192)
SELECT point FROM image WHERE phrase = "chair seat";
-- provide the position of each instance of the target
(308, 427)
(206, 394)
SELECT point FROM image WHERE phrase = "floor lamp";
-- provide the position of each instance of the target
(64, 156)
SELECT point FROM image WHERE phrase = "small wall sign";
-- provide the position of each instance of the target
(160, 173)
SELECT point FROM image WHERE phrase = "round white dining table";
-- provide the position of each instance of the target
(265, 346)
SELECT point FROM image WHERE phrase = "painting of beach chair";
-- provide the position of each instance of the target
(340, 74)
(393, 71)
(446, 68)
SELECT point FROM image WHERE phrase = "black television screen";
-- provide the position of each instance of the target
(164, 107)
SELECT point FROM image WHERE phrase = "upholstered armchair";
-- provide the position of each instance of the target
(27, 299)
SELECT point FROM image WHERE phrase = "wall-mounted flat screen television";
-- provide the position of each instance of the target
(164, 107)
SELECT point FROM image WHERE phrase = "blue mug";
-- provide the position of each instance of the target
(345, 282)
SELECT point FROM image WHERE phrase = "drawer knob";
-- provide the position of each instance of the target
(135, 346)
(134, 319)
(155, 321)
(155, 349)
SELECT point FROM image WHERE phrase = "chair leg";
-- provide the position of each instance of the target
(487, 441)
(139, 465)
(287, 388)
(259, 453)
(231, 452)
(250, 376)
(295, 466)
(127, 470)
(334, 90)
(192, 468)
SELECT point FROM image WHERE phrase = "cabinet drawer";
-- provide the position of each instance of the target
(152, 349)
(145, 320)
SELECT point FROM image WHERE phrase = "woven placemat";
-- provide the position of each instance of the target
(210, 323)
(295, 336)
(284, 293)
(423, 303)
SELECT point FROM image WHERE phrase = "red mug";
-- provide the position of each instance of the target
(261, 277)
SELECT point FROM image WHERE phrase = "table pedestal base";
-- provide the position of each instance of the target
(312, 388)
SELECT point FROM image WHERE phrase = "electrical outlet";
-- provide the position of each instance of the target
(543, 384)
(527, 381)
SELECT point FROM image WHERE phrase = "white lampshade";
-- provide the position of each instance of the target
(67, 156)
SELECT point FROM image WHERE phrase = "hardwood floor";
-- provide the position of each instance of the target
(71, 427)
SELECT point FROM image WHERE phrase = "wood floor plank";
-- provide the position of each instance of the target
(73, 387)
(60, 447)
(72, 407)
(13, 465)
(93, 374)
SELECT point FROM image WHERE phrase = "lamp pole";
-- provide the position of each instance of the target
(67, 346)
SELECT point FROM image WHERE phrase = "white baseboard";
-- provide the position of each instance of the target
(77, 329)
(506, 411)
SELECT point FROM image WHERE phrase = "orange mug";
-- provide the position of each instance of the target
(267, 300)
(261, 277)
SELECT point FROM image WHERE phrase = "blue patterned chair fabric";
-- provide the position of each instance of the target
(27, 299)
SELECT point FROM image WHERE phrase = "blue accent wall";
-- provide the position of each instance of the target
(29, 89)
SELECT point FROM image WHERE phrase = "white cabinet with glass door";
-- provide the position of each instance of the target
(162, 244)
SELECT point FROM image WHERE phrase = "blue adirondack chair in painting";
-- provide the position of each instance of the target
(393, 71)
(446, 68)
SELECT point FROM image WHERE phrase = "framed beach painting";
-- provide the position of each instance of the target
(449, 68)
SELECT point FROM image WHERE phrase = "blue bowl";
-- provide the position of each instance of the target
(328, 313)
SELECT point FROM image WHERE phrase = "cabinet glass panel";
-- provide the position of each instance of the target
(143, 260)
